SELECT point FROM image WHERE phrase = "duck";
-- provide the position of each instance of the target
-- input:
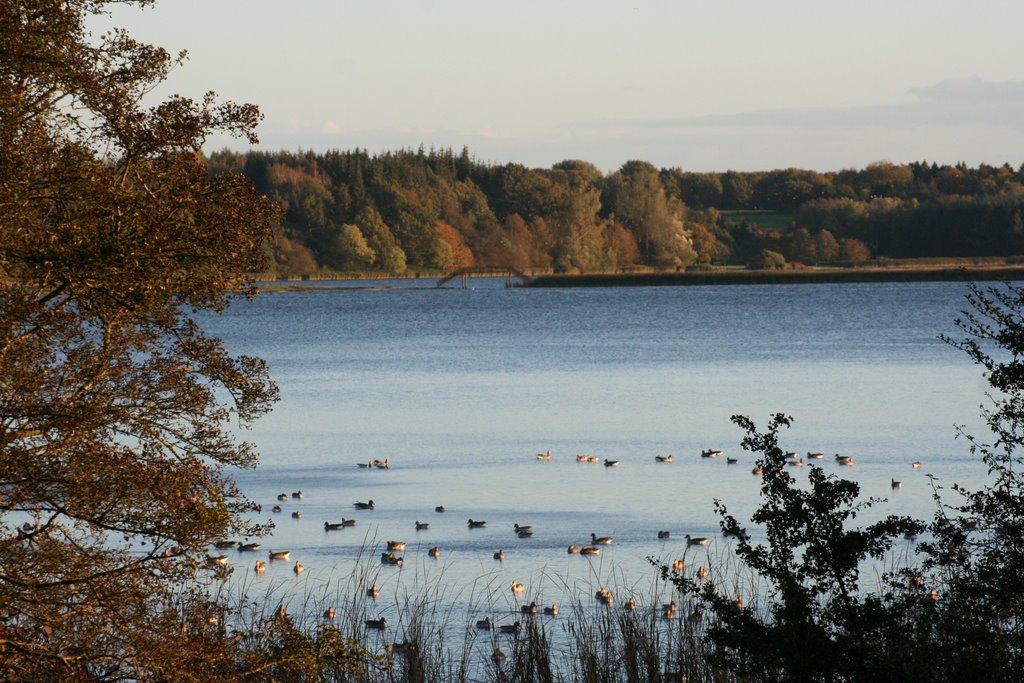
(669, 611)
(544, 456)
(524, 533)
(529, 609)
(844, 459)
(329, 614)
(514, 627)
(590, 550)
(663, 535)
(663, 458)
(276, 508)
(551, 611)
(396, 545)
(296, 514)
(377, 624)
(298, 568)
(696, 540)
(373, 592)
(712, 453)
(333, 526)
(485, 624)
(602, 540)
(282, 496)
(702, 573)
(382, 464)
(279, 554)
(348, 522)
(678, 566)
(420, 526)
(297, 495)
(895, 484)
(391, 559)
(573, 549)
(216, 560)
(519, 527)
(604, 596)
(815, 456)
(476, 523)
(757, 471)
(500, 555)
(611, 463)
(592, 458)
(260, 567)
(224, 545)
(248, 547)
(916, 464)
(581, 458)
(498, 656)
(363, 506)
(732, 461)
(518, 587)
(434, 552)
(439, 508)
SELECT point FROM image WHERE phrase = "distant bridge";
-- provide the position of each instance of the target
(507, 272)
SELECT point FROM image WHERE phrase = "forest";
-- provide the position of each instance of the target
(410, 211)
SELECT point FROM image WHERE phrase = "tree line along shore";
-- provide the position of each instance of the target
(411, 212)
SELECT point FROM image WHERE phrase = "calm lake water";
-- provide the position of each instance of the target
(460, 388)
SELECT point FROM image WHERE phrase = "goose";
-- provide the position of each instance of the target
(485, 624)
(420, 526)
(711, 453)
(696, 540)
(551, 611)
(604, 596)
(382, 464)
(799, 462)
(757, 471)
(276, 508)
(603, 540)
(377, 624)
(248, 547)
(518, 587)
(391, 559)
(895, 484)
(364, 506)
(216, 560)
(282, 496)
(476, 523)
(434, 552)
(544, 456)
(631, 604)
(498, 656)
(529, 609)
(439, 508)
(611, 463)
(845, 460)
(732, 461)
(279, 554)
(702, 573)
(373, 592)
(581, 458)
(396, 545)
(663, 458)
(574, 549)
(298, 568)
(663, 535)
(678, 566)
(260, 567)
(365, 465)
(329, 614)
(590, 550)
(514, 627)
(815, 456)
(520, 527)
(525, 533)
(593, 458)
(916, 464)
(224, 545)
(669, 611)
(297, 494)
(296, 515)
(333, 526)
(500, 555)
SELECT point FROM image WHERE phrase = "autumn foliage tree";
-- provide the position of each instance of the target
(116, 443)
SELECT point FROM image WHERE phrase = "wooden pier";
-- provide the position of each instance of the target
(506, 272)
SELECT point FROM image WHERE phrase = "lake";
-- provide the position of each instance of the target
(460, 389)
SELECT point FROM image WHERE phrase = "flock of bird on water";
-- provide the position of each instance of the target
(603, 596)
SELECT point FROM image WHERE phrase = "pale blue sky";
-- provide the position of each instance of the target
(706, 86)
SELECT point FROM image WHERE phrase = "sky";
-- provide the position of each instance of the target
(704, 86)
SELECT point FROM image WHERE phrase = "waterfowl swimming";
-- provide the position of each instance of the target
(604, 596)
(498, 656)
(382, 464)
(439, 508)
(518, 587)
(529, 609)
(592, 458)
(611, 463)
(696, 540)
(663, 535)
(434, 552)
(365, 465)
(663, 458)
(916, 464)
(297, 494)
(712, 453)
(373, 592)
(281, 613)
(329, 614)
(500, 555)
(420, 526)
(631, 604)
(282, 496)
(844, 459)
(298, 568)
(678, 566)
(590, 550)
(364, 506)
(544, 456)
(332, 526)
(581, 458)
(248, 547)
(799, 462)
(815, 456)
(485, 624)
(574, 549)
(895, 484)
(702, 573)
(260, 567)
(279, 554)
(296, 514)
(515, 627)
(377, 624)
(551, 611)
(757, 471)
(603, 540)
(276, 508)
(391, 559)
(396, 545)
(216, 560)
(525, 533)
(669, 611)
(348, 522)
(224, 545)
(732, 461)
(520, 527)
(476, 523)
